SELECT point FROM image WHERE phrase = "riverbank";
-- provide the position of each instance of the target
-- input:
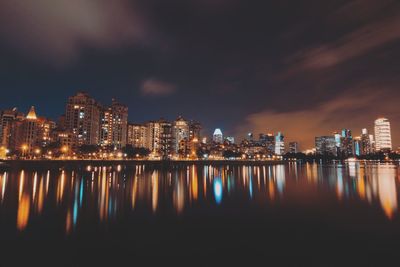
(51, 164)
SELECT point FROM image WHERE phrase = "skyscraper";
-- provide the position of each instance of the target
(366, 147)
(82, 117)
(180, 132)
(113, 125)
(159, 136)
(293, 147)
(28, 134)
(279, 144)
(383, 137)
(326, 145)
(7, 123)
(218, 136)
(137, 135)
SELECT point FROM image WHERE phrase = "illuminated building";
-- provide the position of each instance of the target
(180, 133)
(194, 130)
(83, 118)
(28, 132)
(325, 145)
(218, 136)
(45, 127)
(137, 135)
(268, 141)
(250, 137)
(293, 147)
(64, 137)
(114, 123)
(159, 139)
(357, 146)
(7, 126)
(279, 144)
(346, 148)
(230, 139)
(383, 138)
(366, 147)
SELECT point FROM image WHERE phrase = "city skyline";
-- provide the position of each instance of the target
(266, 66)
(209, 133)
(88, 126)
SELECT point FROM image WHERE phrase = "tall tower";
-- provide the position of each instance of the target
(279, 144)
(180, 132)
(383, 137)
(217, 136)
(82, 117)
(114, 125)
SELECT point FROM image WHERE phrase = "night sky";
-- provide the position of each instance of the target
(304, 67)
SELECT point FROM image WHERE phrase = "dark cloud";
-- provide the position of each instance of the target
(56, 31)
(153, 87)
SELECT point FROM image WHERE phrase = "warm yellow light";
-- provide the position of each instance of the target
(24, 147)
(64, 149)
(37, 151)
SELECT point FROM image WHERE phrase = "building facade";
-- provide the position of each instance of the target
(82, 118)
(383, 137)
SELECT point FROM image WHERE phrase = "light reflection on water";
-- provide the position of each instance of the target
(108, 192)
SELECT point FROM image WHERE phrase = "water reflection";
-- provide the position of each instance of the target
(101, 194)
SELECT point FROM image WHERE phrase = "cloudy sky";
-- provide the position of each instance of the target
(306, 67)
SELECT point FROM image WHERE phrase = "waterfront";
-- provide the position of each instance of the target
(207, 215)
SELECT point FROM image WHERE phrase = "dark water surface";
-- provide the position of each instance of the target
(274, 215)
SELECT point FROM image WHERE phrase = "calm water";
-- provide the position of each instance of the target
(283, 215)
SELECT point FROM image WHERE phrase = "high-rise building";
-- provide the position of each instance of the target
(366, 147)
(346, 148)
(7, 125)
(230, 139)
(194, 130)
(383, 137)
(28, 133)
(159, 135)
(279, 144)
(218, 136)
(326, 145)
(293, 147)
(82, 117)
(357, 146)
(180, 132)
(137, 135)
(113, 125)
(45, 127)
(268, 141)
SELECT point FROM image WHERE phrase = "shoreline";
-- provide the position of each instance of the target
(7, 164)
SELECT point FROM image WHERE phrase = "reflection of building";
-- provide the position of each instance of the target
(383, 138)
(217, 136)
(387, 190)
(279, 144)
(325, 145)
(83, 118)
